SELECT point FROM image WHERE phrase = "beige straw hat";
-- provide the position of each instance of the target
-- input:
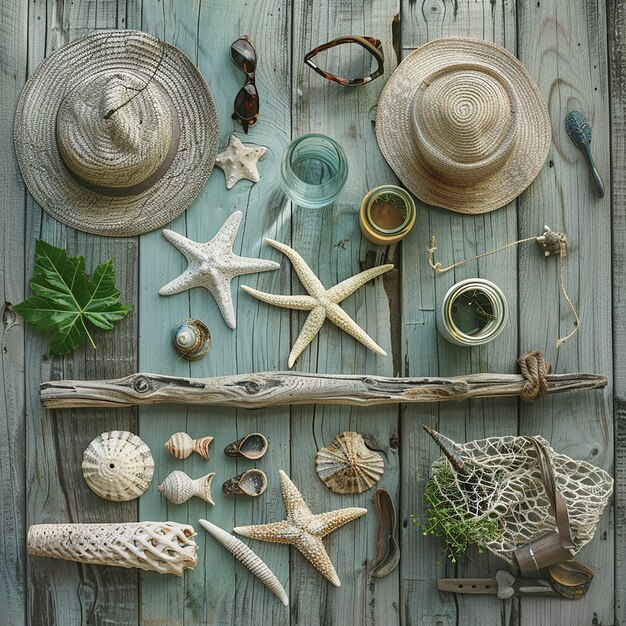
(116, 133)
(463, 125)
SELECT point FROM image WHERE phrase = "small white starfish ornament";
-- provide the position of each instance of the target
(323, 303)
(302, 529)
(239, 161)
(213, 265)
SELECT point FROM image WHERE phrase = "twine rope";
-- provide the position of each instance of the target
(557, 244)
(534, 369)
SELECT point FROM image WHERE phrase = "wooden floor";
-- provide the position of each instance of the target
(576, 51)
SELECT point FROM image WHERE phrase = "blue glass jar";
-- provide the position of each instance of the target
(314, 170)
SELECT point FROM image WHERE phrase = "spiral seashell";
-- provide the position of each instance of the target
(252, 447)
(181, 445)
(118, 466)
(244, 554)
(178, 487)
(347, 465)
(192, 339)
(252, 482)
(164, 547)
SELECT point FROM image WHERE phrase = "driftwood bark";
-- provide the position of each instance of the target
(253, 391)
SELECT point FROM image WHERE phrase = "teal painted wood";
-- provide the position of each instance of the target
(616, 20)
(582, 427)
(220, 590)
(13, 28)
(62, 592)
(330, 241)
(427, 353)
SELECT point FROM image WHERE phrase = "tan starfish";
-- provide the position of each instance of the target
(302, 529)
(323, 303)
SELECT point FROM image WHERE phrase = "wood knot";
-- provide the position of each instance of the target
(251, 387)
(142, 385)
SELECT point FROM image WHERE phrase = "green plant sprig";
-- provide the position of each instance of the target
(457, 527)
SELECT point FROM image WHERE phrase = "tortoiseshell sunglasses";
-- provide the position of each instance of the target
(372, 45)
(243, 55)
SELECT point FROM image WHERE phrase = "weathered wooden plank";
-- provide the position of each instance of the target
(564, 47)
(66, 593)
(220, 590)
(616, 21)
(330, 241)
(426, 353)
(249, 391)
(13, 30)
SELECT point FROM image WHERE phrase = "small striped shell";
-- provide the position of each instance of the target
(178, 487)
(118, 466)
(251, 560)
(181, 445)
(347, 465)
(192, 339)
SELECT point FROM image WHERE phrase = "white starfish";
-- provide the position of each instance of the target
(213, 265)
(302, 529)
(323, 303)
(239, 160)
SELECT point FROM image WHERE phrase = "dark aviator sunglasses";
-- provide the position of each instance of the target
(246, 107)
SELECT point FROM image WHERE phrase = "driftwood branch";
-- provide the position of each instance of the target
(253, 391)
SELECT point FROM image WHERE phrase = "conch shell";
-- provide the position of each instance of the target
(249, 558)
(181, 445)
(178, 487)
(164, 547)
(347, 465)
(118, 466)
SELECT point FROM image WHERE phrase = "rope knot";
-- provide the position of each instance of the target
(534, 369)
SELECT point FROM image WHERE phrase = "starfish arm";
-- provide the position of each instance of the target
(186, 246)
(313, 551)
(220, 290)
(246, 265)
(276, 532)
(291, 496)
(327, 522)
(341, 319)
(227, 233)
(187, 280)
(299, 303)
(347, 287)
(308, 279)
(311, 327)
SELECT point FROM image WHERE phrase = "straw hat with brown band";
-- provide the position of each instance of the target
(116, 133)
(463, 125)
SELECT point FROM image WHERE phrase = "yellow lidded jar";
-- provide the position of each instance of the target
(387, 214)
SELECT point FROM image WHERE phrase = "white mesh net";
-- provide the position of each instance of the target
(502, 481)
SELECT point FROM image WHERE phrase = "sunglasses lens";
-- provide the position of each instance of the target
(243, 55)
(247, 102)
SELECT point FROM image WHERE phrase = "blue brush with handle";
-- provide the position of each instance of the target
(579, 132)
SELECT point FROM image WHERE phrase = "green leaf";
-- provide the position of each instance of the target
(66, 298)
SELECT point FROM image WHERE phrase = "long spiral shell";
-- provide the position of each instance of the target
(178, 487)
(181, 445)
(251, 560)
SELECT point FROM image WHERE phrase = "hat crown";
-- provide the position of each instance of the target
(464, 118)
(114, 129)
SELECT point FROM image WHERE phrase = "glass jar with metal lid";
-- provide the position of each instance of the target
(473, 312)
(387, 214)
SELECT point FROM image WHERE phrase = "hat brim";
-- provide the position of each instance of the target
(43, 171)
(394, 127)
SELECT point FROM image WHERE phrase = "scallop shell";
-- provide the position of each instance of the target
(347, 465)
(252, 447)
(252, 482)
(249, 558)
(178, 487)
(181, 445)
(192, 339)
(118, 466)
